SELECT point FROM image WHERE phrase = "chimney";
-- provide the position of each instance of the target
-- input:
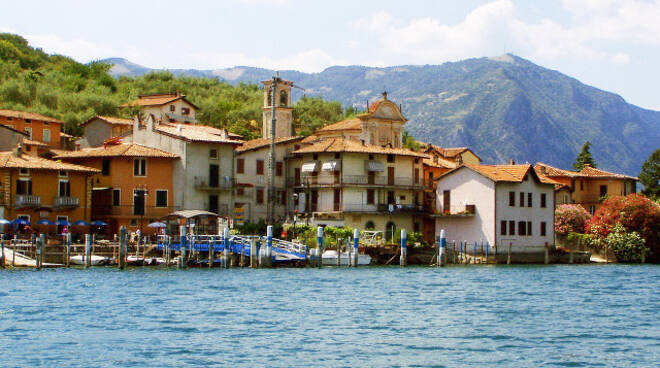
(18, 151)
(511, 162)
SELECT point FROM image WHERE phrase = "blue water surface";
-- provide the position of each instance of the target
(476, 316)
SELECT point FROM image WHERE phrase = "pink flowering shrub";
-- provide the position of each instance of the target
(570, 218)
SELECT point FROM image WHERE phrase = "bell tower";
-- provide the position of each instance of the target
(283, 109)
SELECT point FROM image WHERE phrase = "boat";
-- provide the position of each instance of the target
(94, 260)
(329, 258)
(142, 261)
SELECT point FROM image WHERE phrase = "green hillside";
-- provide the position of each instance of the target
(63, 88)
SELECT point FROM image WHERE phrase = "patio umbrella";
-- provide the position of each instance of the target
(45, 222)
(81, 223)
(4, 222)
(157, 224)
(62, 223)
(20, 221)
(99, 223)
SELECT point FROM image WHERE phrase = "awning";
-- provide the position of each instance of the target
(334, 165)
(310, 167)
(101, 188)
(374, 166)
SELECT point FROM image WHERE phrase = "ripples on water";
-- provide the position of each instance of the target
(518, 316)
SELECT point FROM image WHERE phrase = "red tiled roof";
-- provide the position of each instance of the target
(10, 161)
(352, 145)
(450, 152)
(264, 142)
(196, 133)
(28, 115)
(117, 150)
(348, 124)
(586, 172)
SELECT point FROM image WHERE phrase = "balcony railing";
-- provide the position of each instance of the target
(23, 200)
(382, 181)
(458, 211)
(400, 208)
(222, 183)
(369, 208)
(65, 202)
(129, 211)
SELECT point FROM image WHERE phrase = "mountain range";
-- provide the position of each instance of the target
(502, 107)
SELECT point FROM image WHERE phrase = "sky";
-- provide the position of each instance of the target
(612, 45)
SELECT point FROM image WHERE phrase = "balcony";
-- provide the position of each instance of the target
(400, 208)
(466, 210)
(65, 202)
(359, 180)
(27, 201)
(220, 184)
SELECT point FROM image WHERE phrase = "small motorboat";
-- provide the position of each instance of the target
(329, 258)
(94, 260)
(142, 261)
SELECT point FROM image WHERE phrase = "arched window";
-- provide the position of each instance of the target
(390, 230)
(369, 225)
(270, 97)
(284, 98)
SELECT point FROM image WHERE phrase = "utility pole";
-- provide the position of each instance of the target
(271, 157)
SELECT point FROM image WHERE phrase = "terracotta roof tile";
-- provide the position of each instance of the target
(348, 124)
(196, 133)
(352, 145)
(586, 172)
(10, 161)
(508, 173)
(442, 163)
(264, 142)
(110, 120)
(28, 115)
(157, 100)
(118, 150)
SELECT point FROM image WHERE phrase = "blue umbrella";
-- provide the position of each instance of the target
(20, 221)
(62, 223)
(45, 222)
(81, 223)
(99, 223)
(4, 222)
(157, 224)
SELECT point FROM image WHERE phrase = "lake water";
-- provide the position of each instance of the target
(478, 316)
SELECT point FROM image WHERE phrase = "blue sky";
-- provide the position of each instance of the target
(612, 45)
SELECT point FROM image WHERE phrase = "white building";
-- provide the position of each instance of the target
(166, 107)
(498, 204)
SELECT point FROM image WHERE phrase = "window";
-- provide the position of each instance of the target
(542, 228)
(240, 191)
(23, 171)
(416, 175)
(529, 228)
(105, 167)
(133, 222)
(543, 196)
(63, 174)
(390, 158)
(603, 190)
(369, 225)
(502, 227)
(213, 153)
(512, 199)
(65, 188)
(260, 167)
(315, 156)
(185, 111)
(46, 135)
(28, 130)
(260, 196)
(529, 199)
(279, 168)
(284, 98)
(116, 197)
(161, 198)
(512, 228)
(337, 155)
(172, 108)
(566, 198)
(283, 198)
(522, 199)
(521, 228)
(371, 156)
(24, 187)
(371, 197)
(139, 167)
(28, 120)
(240, 166)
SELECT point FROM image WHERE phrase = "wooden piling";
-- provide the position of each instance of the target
(474, 253)
(123, 247)
(211, 252)
(88, 249)
(403, 260)
(508, 256)
(2, 250)
(338, 252)
(38, 252)
(13, 253)
(67, 245)
(643, 260)
(547, 254)
(570, 256)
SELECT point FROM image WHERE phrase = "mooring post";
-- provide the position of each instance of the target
(120, 251)
(320, 244)
(2, 250)
(474, 253)
(88, 249)
(441, 248)
(338, 252)
(508, 257)
(487, 246)
(13, 253)
(253, 252)
(166, 246)
(38, 248)
(211, 251)
(182, 248)
(460, 253)
(643, 260)
(403, 259)
(547, 254)
(67, 245)
(356, 246)
(269, 246)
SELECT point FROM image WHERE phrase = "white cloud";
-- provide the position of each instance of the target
(495, 27)
(312, 60)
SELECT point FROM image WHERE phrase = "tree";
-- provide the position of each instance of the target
(635, 213)
(570, 218)
(650, 175)
(584, 157)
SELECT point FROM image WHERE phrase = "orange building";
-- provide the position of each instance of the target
(40, 128)
(133, 185)
(34, 188)
(588, 186)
